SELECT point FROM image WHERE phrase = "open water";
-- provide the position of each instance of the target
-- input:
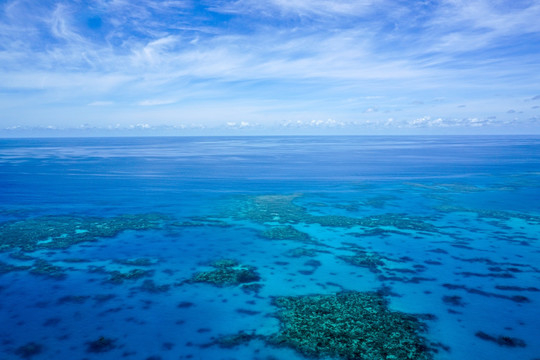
(110, 247)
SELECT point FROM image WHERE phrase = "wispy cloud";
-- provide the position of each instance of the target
(301, 8)
(101, 103)
(156, 102)
(277, 60)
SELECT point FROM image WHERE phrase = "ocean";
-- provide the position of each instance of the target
(377, 247)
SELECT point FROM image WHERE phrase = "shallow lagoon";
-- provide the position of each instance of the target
(126, 238)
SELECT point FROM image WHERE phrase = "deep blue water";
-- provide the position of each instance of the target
(474, 263)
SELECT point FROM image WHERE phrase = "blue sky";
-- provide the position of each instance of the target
(270, 67)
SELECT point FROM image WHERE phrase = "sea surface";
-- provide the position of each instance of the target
(186, 247)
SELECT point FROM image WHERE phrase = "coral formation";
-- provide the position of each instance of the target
(137, 261)
(199, 221)
(453, 300)
(285, 233)
(227, 273)
(76, 299)
(362, 258)
(501, 340)
(300, 252)
(348, 325)
(44, 268)
(20, 256)
(102, 344)
(492, 214)
(283, 210)
(5, 267)
(29, 350)
(230, 341)
(118, 277)
(515, 298)
(151, 287)
(223, 263)
(251, 287)
(60, 232)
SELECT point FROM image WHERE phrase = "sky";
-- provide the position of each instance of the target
(179, 67)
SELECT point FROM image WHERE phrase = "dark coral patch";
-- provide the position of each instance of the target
(285, 233)
(227, 273)
(60, 232)
(501, 340)
(100, 345)
(29, 350)
(231, 341)
(348, 325)
(44, 268)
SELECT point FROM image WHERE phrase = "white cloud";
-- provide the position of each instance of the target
(329, 63)
(156, 102)
(329, 123)
(472, 25)
(101, 103)
(302, 8)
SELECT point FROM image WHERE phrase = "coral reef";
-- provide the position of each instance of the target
(348, 325)
(230, 341)
(362, 258)
(227, 273)
(515, 298)
(198, 221)
(492, 214)
(501, 340)
(223, 263)
(102, 344)
(60, 232)
(271, 208)
(118, 277)
(29, 350)
(301, 252)
(251, 287)
(151, 287)
(185, 304)
(285, 233)
(453, 300)
(20, 256)
(44, 268)
(312, 265)
(76, 299)
(5, 267)
(137, 261)
(283, 210)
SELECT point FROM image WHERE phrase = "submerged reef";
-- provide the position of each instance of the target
(227, 272)
(137, 261)
(348, 325)
(492, 214)
(362, 258)
(453, 300)
(5, 267)
(501, 340)
(44, 268)
(151, 287)
(199, 221)
(27, 351)
(118, 277)
(301, 252)
(285, 233)
(233, 340)
(102, 344)
(271, 208)
(515, 298)
(282, 209)
(60, 232)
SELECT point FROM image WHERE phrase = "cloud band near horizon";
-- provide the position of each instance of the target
(382, 65)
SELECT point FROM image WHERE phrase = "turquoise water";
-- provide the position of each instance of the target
(102, 241)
